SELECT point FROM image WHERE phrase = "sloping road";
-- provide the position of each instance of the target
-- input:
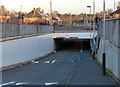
(52, 69)
(58, 69)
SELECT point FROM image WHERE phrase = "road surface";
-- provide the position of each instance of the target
(60, 68)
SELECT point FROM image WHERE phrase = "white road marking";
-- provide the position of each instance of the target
(21, 83)
(47, 62)
(51, 83)
(53, 61)
(36, 62)
(54, 51)
(7, 83)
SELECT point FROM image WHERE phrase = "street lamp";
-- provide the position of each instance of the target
(90, 26)
(114, 8)
(21, 14)
(94, 52)
(93, 12)
(50, 12)
(90, 17)
(104, 54)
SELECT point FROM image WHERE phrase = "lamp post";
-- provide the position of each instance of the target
(21, 14)
(94, 51)
(90, 25)
(90, 17)
(50, 12)
(93, 12)
(104, 54)
(114, 9)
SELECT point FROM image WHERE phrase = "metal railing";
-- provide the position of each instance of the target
(12, 30)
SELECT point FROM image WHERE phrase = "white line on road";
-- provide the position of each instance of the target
(53, 61)
(47, 62)
(51, 83)
(22, 83)
(7, 83)
(36, 62)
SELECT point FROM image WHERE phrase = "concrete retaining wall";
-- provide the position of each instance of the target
(112, 46)
(82, 35)
(21, 50)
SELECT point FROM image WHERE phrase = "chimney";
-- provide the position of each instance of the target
(2, 8)
(34, 11)
(118, 7)
(38, 9)
(42, 10)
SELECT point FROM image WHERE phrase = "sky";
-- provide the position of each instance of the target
(62, 6)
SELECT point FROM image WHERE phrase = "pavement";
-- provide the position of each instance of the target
(58, 69)
(89, 72)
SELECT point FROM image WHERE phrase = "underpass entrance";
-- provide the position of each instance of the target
(74, 43)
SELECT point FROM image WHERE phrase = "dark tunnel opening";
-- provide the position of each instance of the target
(79, 44)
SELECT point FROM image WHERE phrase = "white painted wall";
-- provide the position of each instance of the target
(112, 39)
(21, 50)
(82, 35)
(24, 49)
(112, 57)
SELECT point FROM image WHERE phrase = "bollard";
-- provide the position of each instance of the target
(104, 63)
(81, 55)
(93, 55)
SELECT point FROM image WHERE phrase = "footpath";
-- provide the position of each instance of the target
(89, 72)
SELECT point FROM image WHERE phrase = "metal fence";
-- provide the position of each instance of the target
(12, 30)
(70, 28)
(112, 32)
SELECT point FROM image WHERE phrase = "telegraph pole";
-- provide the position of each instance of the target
(93, 12)
(94, 51)
(114, 8)
(50, 12)
(90, 28)
(21, 14)
(104, 54)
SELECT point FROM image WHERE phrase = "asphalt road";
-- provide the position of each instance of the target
(60, 68)
(52, 69)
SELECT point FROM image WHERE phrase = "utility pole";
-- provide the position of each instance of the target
(21, 14)
(94, 51)
(50, 12)
(104, 54)
(114, 8)
(86, 17)
(93, 12)
(70, 19)
(90, 27)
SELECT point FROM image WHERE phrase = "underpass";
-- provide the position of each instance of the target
(63, 67)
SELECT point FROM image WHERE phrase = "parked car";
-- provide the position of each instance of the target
(93, 27)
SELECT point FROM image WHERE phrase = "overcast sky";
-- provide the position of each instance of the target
(62, 6)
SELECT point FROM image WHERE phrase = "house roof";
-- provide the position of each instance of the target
(33, 14)
(80, 21)
(116, 12)
(54, 18)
